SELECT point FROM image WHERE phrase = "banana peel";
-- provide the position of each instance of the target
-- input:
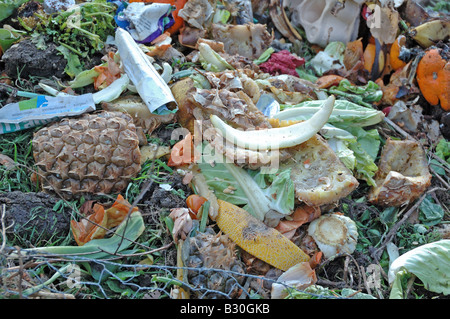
(431, 32)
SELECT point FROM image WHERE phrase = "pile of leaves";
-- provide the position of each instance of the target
(379, 102)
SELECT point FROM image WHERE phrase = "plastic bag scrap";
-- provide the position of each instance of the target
(145, 22)
(152, 88)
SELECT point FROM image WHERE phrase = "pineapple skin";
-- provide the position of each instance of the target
(94, 153)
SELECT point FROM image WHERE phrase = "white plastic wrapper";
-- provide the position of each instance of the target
(151, 87)
(41, 110)
(145, 18)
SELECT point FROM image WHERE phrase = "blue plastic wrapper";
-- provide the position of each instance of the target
(145, 22)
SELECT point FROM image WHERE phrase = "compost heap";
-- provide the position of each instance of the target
(258, 141)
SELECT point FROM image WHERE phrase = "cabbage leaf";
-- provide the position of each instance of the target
(259, 194)
(430, 263)
(345, 132)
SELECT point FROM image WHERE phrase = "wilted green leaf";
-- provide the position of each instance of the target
(430, 213)
(6, 39)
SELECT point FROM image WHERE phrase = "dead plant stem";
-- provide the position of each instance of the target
(377, 253)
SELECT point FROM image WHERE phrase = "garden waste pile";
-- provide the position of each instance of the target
(224, 149)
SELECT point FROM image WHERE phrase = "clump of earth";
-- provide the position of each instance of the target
(31, 218)
(24, 59)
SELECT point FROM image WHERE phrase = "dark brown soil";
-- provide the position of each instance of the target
(24, 59)
(31, 219)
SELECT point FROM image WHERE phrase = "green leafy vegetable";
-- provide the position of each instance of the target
(430, 263)
(211, 60)
(258, 194)
(7, 7)
(355, 146)
(345, 154)
(73, 66)
(363, 95)
(443, 149)
(221, 15)
(7, 38)
(126, 233)
(79, 32)
(305, 73)
(264, 56)
(84, 78)
(365, 151)
(430, 213)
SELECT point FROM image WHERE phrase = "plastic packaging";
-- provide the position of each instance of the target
(42, 110)
(146, 22)
(151, 87)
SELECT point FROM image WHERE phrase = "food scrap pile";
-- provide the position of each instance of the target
(232, 140)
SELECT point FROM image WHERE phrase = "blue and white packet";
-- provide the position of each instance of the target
(145, 22)
(42, 110)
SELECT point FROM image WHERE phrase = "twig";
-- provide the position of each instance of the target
(440, 160)
(398, 129)
(20, 272)
(354, 294)
(394, 229)
(53, 295)
(366, 285)
(118, 256)
(148, 252)
(439, 177)
(34, 264)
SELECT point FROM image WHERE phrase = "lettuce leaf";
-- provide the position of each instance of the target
(345, 154)
(259, 194)
(363, 95)
(7, 39)
(430, 263)
(211, 60)
(365, 150)
(345, 132)
(430, 213)
(357, 154)
(221, 16)
(443, 149)
(73, 66)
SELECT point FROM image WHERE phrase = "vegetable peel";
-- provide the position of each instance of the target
(275, 138)
(256, 238)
